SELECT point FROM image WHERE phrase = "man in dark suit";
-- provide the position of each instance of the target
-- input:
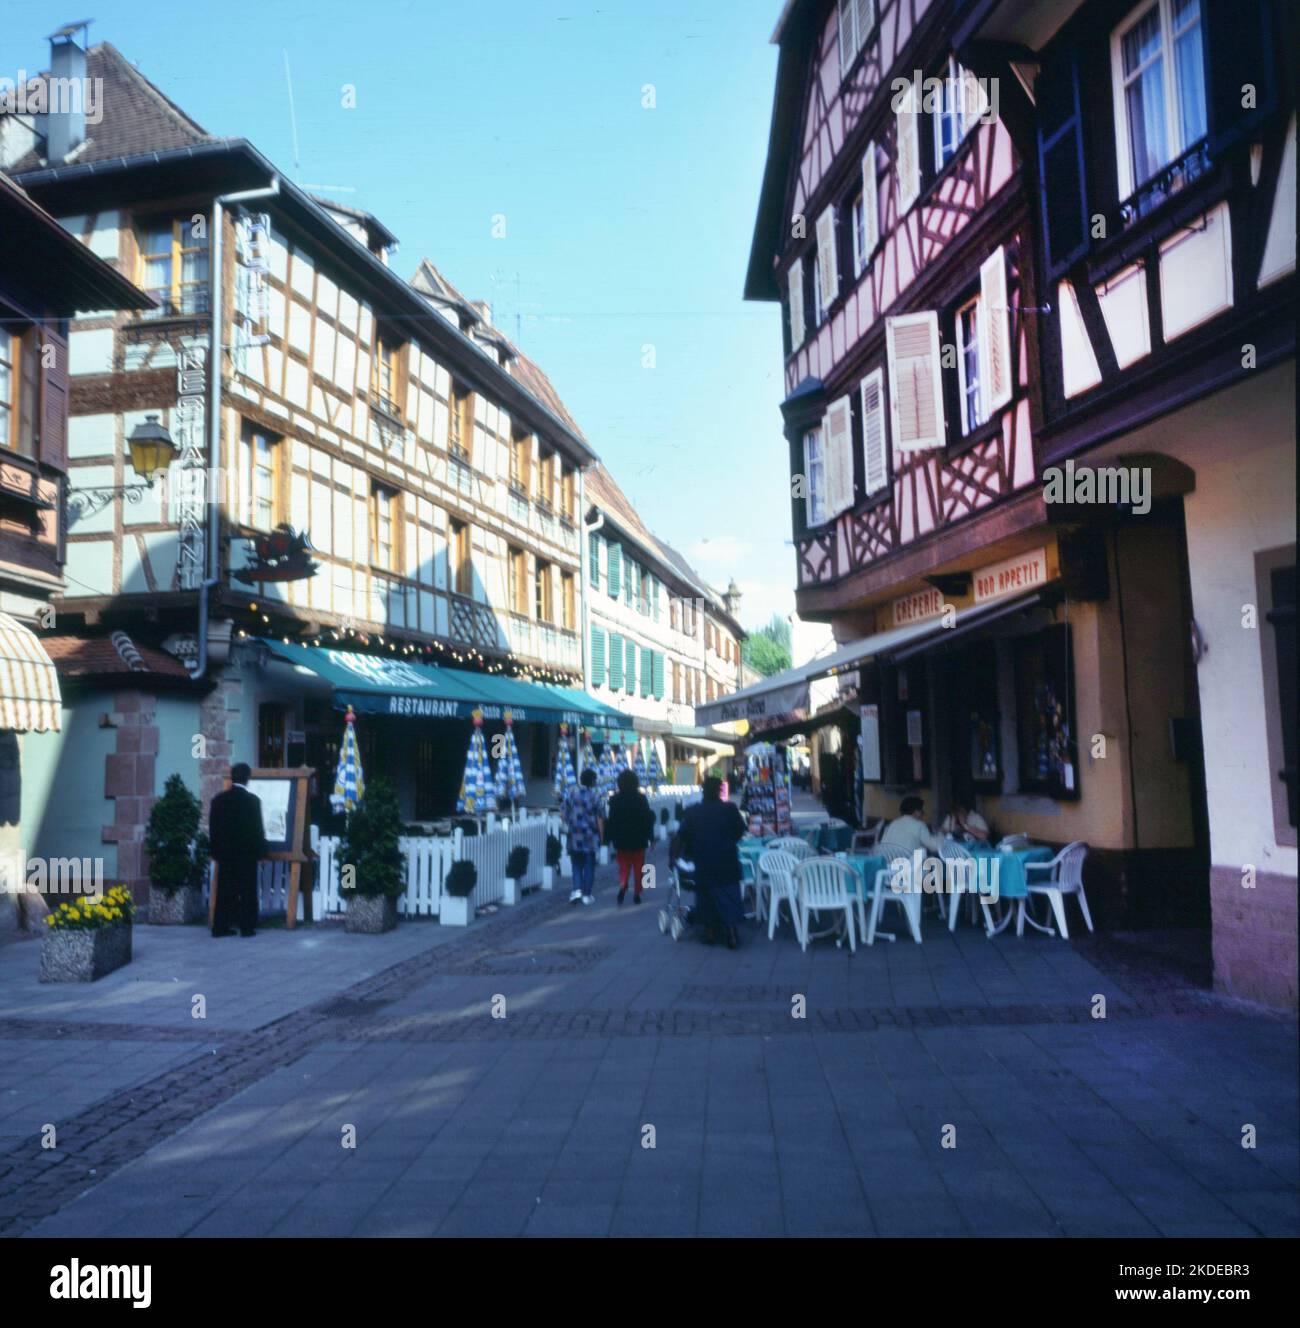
(710, 831)
(238, 845)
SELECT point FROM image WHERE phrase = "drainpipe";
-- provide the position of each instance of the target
(588, 529)
(212, 551)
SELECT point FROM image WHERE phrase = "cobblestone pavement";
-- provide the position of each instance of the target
(510, 1079)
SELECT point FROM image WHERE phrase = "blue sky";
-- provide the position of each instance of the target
(626, 227)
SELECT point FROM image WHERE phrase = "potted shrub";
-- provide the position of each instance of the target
(456, 907)
(372, 860)
(178, 856)
(516, 870)
(88, 939)
(553, 854)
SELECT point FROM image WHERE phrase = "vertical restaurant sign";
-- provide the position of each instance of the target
(188, 432)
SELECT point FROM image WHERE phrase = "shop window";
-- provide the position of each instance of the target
(271, 727)
(972, 677)
(905, 728)
(1045, 714)
(539, 765)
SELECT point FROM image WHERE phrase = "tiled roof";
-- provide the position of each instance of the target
(534, 381)
(96, 657)
(137, 117)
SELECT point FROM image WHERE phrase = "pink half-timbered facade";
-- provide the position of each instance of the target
(894, 230)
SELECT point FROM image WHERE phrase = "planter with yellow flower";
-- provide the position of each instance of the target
(88, 938)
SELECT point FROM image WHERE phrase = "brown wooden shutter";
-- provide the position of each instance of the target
(915, 385)
(54, 397)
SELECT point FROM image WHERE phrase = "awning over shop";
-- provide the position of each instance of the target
(375, 685)
(30, 701)
(801, 727)
(787, 691)
(706, 745)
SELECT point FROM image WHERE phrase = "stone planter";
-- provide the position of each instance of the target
(367, 914)
(84, 956)
(176, 908)
(455, 910)
(548, 878)
(512, 890)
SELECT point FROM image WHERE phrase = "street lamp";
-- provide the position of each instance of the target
(152, 450)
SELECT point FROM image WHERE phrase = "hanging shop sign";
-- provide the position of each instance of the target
(283, 555)
(927, 603)
(1026, 571)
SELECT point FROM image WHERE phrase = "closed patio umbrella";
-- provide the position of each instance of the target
(565, 779)
(476, 790)
(349, 782)
(510, 771)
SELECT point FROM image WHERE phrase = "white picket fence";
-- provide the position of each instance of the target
(426, 861)
(428, 858)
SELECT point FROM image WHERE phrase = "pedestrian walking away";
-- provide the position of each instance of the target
(710, 832)
(583, 821)
(630, 829)
(238, 842)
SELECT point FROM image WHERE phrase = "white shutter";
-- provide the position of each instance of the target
(838, 452)
(865, 17)
(870, 207)
(826, 257)
(796, 304)
(814, 494)
(995, 332)
(875, 436)
(915, 382)
(848, 46)
(907, 153)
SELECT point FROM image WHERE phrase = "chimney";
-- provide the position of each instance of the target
(732, 599)
(65, 94)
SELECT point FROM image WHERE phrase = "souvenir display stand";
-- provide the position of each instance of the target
(767, 790)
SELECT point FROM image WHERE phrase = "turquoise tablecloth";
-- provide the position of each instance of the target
(1010, 867)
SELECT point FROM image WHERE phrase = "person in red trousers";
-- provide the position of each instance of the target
(629, 827)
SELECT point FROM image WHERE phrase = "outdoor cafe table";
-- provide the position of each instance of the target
(1012, 881)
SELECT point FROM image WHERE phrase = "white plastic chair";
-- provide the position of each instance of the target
(1013, 841)
(799, 849)
(824, 886)
(959, 874)
(897, 868)
(865, 840)
(1064, 876)
(778, 869)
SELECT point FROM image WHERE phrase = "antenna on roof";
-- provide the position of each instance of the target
(293, 118)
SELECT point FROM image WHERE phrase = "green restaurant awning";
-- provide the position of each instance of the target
(377, 685)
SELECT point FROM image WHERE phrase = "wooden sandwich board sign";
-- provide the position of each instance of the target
(284, 795)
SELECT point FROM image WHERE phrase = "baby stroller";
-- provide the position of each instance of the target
(677, 915)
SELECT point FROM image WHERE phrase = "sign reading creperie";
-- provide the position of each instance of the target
(914, 608)
(1024, 572)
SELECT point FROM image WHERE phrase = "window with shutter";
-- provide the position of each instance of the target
(54, 401)
(629, 667)
(995, 331)
(597, 657)
(839, 457)
(907, 152)
(1061, 179)
(614, 573)
(616, 661)
(828, 268)
(814, 476)
(647, 670)
(875, 437)
(658, 675)
(870, 204)
(593, 561)
(856, 19)
(796, 305)
(915, 382)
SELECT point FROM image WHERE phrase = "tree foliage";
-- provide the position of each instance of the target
(370, 842)
(178, 852)
(768, 649)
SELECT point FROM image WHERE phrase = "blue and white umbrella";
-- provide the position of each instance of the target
(607, 772)
(476, 791)
(565, 779)
(639, 765)
(656, 770)
(588, 756)
(349, 783)
(510, 771)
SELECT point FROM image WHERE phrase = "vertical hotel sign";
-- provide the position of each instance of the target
(188, 434)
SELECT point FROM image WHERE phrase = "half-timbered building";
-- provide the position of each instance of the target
(372, 485)
(1004, 236)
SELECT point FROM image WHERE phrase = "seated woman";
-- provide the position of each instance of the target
(963, 820)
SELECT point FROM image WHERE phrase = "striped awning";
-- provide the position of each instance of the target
(29, 686)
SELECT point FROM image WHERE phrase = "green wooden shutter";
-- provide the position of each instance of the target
(630, 668)
(658, 673)
(615, 660)
(614, 574)
(656, 595)
(597, 657)
(593, 558)
(647, 670)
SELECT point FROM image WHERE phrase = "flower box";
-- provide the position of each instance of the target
(84, 955)
(455, 910)
(175, 908)
(371, 913)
